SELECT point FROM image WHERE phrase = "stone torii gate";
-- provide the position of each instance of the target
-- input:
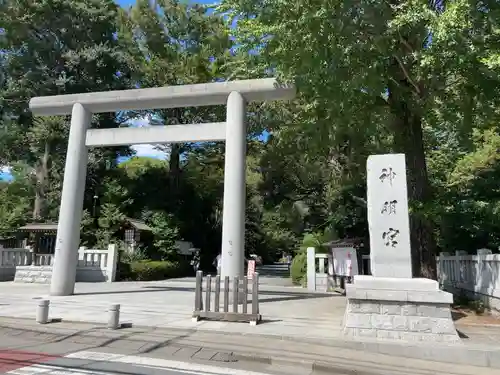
(234, 94)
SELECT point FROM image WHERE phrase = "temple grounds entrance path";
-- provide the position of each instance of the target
(286, 310)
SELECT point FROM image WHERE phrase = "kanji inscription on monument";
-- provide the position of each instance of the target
(388, 220)
(387, 174)
(389, 207)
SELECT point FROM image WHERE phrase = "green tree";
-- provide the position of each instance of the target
(111, 220)
(15, 202)
(146, 181)
(165, 234)
(176, 43)
(469, 211)
(52, 47)
(356, 63)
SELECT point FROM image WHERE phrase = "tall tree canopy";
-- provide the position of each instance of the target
(53, 47)
(413, 70)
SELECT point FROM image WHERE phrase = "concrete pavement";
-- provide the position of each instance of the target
(80, 348)
(289, 314)
(285, 310)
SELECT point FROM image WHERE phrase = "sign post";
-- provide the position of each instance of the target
(251, 269)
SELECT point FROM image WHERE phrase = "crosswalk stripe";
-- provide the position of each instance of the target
(53, 370)
(144, 362)
(161, 363)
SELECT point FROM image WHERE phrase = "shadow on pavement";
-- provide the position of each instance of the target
(85, 364)
(457, 315)
(275, 296)
(462, 335)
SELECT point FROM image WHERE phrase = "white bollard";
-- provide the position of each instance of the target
(42, 312)
(114, 317)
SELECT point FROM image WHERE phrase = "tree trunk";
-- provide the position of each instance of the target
(174, 168)
(408, 139)
(176, 117)
(40, 205)
(41, 175)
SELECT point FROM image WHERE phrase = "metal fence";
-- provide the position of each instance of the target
(239, 293)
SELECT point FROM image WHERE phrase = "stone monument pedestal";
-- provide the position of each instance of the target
(401, 309)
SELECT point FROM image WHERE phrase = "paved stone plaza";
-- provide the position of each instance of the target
(285, 310)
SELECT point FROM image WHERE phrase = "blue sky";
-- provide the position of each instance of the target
(4, 174)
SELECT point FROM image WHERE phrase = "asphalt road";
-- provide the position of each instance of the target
(82, 349)
(85, 363)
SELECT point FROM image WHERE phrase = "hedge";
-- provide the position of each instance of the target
(150, 270)
(298, 269)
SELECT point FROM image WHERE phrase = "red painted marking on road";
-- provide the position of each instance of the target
(15, 359)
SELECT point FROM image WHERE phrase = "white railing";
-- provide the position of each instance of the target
(319, 271)
(92, 258)
(93, 264)
(474, 273)
(15, 257)
(42, 259)
(97, 259)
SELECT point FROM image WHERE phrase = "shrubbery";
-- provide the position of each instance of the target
(150, 270)
(298, 268)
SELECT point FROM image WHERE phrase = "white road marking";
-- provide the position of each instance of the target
(54, 370)
(156, 363)
(161, 363)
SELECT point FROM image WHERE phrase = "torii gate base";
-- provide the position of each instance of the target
(81, 107)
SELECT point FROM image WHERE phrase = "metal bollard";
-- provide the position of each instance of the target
(255, 299)
(114, 317)
(42, 311)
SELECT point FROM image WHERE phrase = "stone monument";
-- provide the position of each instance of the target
(391, 304)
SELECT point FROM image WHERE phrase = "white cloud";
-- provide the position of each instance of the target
(147, 149)
(5, 169)
(139, 122)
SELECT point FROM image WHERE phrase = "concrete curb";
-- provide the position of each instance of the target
(458, 354)
(463, 353)
(307, 366)
(455, 354)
